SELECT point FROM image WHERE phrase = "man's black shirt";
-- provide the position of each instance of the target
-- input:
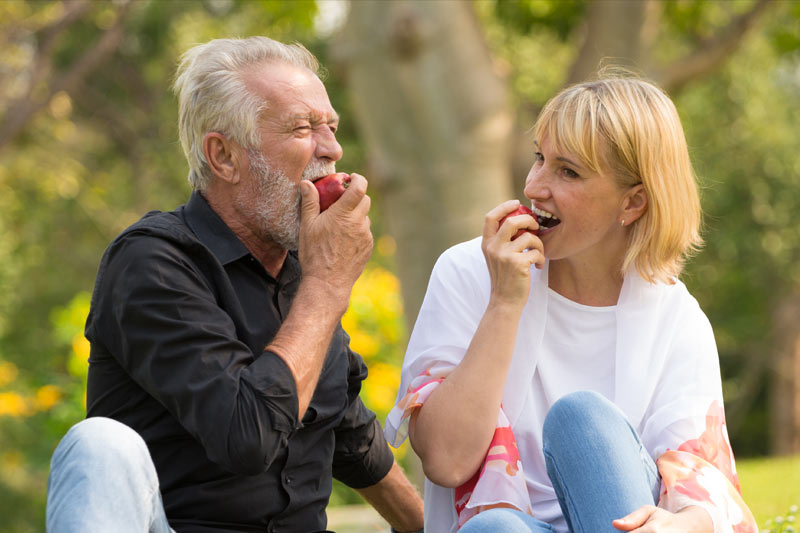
(180, 316)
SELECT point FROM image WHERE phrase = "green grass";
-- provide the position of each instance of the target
(770, 485)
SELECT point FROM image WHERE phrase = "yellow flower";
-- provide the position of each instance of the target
(47, 397)
(12, 459)
(386, 246)
(363, 343)
(380, 387)
(350, 320)
(8, 373)
(80, 346)
(78, 362)
(12, 404)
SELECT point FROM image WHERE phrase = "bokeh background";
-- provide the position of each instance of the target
(437, 98)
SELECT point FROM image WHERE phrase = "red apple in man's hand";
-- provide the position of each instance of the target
(521, 210)
(330, 188)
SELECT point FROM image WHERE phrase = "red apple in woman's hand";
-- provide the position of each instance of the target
(330, 188)
(521, 210)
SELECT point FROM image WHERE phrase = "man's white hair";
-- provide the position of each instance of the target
(212, 95)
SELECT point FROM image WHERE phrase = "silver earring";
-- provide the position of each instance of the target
(623, 223)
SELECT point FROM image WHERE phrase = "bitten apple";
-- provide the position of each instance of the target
(521, 210)
(330, 188)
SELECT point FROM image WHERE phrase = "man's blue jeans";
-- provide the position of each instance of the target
(102, 479)
(598, 466)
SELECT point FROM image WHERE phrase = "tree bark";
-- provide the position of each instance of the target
(20, 111)
(785, 389)
(712, 53)
(435, 118)
(614, 35)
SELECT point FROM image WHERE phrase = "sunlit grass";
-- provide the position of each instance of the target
(770, 485)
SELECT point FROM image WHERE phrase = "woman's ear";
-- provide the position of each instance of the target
(634, 204)
(221, 156)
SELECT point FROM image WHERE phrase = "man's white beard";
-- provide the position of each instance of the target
(275, 201)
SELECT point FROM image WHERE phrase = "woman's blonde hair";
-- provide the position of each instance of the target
(630, 127)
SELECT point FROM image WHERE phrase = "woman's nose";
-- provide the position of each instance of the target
(535, 186)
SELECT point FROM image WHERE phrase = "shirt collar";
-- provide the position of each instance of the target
(212, 231)
(223, 243)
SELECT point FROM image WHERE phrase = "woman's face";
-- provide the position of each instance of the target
(585, 209)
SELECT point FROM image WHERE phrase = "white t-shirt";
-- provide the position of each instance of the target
(578, 349)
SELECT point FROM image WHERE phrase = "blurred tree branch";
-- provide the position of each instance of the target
(710, 53)
(43, 83)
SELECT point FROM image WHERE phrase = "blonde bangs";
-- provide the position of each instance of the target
(569, 122)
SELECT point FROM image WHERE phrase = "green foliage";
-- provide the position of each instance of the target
(528, 16)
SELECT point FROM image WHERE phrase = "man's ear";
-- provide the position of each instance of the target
(634, 204)
(222, 156)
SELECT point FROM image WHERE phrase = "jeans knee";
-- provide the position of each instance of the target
(102, 441)
(578, 414)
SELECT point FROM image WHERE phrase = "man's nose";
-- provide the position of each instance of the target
(327, 145)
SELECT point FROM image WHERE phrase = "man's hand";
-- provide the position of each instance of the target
(335, 245)
(397, 501)
(651, 519)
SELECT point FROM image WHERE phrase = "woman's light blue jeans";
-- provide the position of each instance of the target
(102, 479)
(598, 466)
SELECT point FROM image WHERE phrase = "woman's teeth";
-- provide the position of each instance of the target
(545, 218)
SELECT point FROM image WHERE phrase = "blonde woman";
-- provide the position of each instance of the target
(565, 379)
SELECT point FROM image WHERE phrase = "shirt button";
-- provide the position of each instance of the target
(288, 480)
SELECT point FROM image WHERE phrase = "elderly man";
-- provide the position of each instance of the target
(215, 328)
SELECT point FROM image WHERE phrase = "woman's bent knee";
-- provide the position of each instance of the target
(579, 414)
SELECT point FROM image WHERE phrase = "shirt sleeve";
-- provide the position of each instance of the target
(361, 456)
(156, 311)
(686, 431)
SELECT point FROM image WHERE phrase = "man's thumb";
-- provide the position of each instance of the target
(310, 199)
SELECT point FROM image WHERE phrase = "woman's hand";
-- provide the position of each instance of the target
(652, 519)
(509, 261)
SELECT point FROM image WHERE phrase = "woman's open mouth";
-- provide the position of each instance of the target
(545, 219)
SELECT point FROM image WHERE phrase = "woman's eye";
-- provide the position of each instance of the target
(539, 157)
(569, 173)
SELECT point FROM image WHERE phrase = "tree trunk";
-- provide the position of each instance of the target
(436, 121)
(615, 34)
(785, 389)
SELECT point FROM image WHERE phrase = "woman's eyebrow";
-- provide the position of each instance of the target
(568, 160)
(560, 158)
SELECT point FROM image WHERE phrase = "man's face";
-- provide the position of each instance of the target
(272, 201)
(297, 142)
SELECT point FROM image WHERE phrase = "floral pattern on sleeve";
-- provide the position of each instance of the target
(500, 482)
(702, 472)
